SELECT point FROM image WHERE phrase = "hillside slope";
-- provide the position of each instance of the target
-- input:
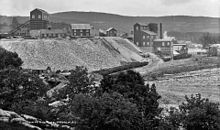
(94, 53)
(125, 23)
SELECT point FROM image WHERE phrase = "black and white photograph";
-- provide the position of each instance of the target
(109, 64)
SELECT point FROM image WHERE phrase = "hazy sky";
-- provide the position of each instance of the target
(122, 7)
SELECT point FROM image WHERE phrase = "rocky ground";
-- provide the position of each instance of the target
(93, 53)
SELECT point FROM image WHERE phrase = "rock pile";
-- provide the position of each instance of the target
(94, 53)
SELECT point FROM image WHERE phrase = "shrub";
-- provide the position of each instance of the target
(109, 111)
(196, 114)
(131, 86)
(8, 58)
(19, 90)
(79, 82)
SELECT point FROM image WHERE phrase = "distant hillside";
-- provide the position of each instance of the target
(125, 23)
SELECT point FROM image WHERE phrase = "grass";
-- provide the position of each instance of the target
(186, 77)
(186, 65)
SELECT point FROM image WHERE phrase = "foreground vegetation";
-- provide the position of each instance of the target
(119, 102)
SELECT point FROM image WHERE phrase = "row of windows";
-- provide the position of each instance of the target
(168, 43)
(81, 34)
(153, 37)
(81, 30)
(144, 43)
(39, 17)
(52, 35)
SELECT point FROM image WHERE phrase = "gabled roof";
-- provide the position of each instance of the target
(80, 26)
(149, 32)
(102, 31)
(142, 24)
(46, 31)
(110, 29)
(43, 11)
(163, 40)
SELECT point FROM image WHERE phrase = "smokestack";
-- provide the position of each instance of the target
(161, 31)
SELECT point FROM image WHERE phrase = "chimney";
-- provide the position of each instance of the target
(161, 31)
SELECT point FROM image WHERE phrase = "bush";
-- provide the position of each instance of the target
(19, 90)
(8, 58)
(131, 86)
(196, 114)
(109, 111)
(79, 82)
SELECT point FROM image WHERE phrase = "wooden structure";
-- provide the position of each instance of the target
(48, 33)
(81, 30)
(111, 32)
(39, 19)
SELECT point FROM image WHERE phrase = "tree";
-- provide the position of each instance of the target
(79, 82)
(109, 111)
(8, 58)
(207, 39)
(20, 90)
(196, 114)
(131, 85)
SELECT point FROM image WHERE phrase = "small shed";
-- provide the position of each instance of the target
(111, 32)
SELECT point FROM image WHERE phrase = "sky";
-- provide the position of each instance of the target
(122, 7)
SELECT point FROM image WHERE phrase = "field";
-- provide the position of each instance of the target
(174, 80)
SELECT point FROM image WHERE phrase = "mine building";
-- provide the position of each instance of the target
(111, 32)
(169, 47)
(39, 19)
(163, 46)
(81, 30)
(145, 34)
(48, 33)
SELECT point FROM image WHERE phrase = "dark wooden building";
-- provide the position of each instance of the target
(39, 19)
(111, 32)
(142, 36)
(81, 30)
(163, 46)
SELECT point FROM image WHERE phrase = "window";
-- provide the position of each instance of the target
(33, 16)
(163, 44)
(143, 37)
(39, 16)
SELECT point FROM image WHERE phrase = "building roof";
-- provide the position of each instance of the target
(41, 10)
(102, 31)
(110, 29)
(180, 44)
(163, 40)
(80, 26)
(142, 24)
(46, 31)
(149, 32)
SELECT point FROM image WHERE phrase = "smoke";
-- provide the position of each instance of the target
(165, 36)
